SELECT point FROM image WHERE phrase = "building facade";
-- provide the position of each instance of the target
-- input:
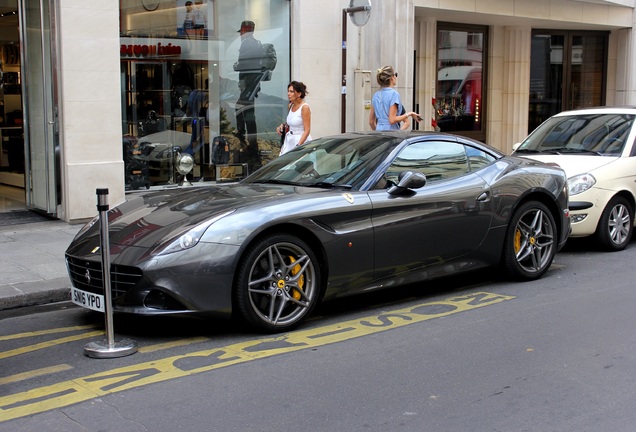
(130, 94)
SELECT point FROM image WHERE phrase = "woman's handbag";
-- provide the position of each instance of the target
(283, 134)
(285, 129)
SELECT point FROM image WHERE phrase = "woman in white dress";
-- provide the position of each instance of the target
(298, 126)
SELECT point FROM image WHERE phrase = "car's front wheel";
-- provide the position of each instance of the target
(530, 243)
(616, 224)
(278, 283)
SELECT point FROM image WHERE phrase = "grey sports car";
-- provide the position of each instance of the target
(340, 215)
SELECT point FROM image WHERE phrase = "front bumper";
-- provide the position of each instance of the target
(586, 209)
(196, 281)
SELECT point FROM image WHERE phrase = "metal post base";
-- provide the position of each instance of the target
(102, 349)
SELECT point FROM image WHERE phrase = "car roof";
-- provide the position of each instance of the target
(624, 109)
(414, 134)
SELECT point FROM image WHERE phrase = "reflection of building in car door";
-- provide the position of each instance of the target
(428, 214)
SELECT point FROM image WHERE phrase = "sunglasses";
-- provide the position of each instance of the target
(395, 74)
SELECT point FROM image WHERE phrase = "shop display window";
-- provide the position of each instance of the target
(461, 60)
(188, 81)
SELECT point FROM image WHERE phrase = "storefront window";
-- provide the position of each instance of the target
(461, 57)
(567, 71)
(202, 78)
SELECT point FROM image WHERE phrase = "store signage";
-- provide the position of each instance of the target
(149, 50)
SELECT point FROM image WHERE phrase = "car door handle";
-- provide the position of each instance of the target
(485, 196)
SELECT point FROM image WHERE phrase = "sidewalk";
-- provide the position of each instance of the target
(32, 267)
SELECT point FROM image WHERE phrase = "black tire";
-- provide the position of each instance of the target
(278, 283)
(530, 243)
(616, 225)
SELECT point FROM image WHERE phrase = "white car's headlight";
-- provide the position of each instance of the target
(580, 183)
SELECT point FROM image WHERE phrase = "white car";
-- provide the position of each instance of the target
(596, 149)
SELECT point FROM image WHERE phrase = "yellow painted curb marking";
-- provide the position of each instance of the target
(167, 345)
(45, 332)
(34, 373)
(47, 344)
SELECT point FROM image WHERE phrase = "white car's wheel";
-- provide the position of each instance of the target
(616, 224)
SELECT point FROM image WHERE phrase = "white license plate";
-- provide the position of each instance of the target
(88, 300)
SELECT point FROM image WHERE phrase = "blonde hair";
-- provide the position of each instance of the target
(384, 75)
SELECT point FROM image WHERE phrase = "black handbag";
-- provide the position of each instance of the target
(285, 128)
(284, 133)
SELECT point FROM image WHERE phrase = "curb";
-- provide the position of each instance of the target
(29, 294)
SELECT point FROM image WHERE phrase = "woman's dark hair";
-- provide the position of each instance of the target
(299, 87)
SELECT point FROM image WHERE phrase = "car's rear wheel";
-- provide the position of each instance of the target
(616, 224)
(278, 283)
(530, 241)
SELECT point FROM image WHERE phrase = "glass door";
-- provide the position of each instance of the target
(567, 71)
(40, 134)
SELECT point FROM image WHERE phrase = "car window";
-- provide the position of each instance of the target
(604, 134)
(478, 159)
(342, 161)
(437, 160)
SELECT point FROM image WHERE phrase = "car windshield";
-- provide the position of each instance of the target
(587, 134)
(343, 162)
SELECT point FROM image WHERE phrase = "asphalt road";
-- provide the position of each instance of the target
(470, 354)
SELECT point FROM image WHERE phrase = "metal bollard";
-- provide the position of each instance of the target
(107, 348)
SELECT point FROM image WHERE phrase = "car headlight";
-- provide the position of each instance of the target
(189, 238)
(580, 183)
(86, 227)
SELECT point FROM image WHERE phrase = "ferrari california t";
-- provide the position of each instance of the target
(338, 216)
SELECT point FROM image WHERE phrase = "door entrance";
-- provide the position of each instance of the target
(12, 160)
(567, 71)
(41, 135)
(28, 138)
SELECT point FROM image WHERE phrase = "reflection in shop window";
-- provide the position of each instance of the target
(460, 63)
(181, 93)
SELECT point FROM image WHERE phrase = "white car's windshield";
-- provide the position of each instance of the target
(596, 134)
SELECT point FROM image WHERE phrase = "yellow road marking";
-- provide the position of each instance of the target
(45, 332)
(34, 373)
(167, 345)
(47, 344)
(85, 388)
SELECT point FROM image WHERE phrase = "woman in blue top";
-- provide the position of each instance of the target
(386, 105)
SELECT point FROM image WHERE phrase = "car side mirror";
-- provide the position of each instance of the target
(407, 181)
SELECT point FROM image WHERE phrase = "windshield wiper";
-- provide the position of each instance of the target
(328, 185)
(572, 150)
(274, 181)
(524, 150)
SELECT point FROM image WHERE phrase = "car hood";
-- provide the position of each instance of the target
(150, 219)
(573, 164)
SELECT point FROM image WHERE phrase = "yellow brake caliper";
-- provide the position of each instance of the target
(517, 241)
(301, 280)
